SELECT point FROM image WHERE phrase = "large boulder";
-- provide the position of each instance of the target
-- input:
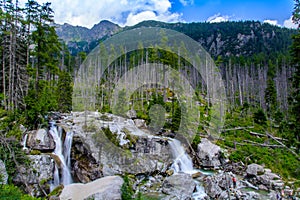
(254, 170)
(210, 154)
(38, 176)
(143, 154)
(3, 173)
(216, 184)
(140, 123)
(104, 188)
(179, 186)
(40, 140)
(257, 175)
(131, 114)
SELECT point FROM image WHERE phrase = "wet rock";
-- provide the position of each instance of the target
(216, 184)
(40, 140)
(180, 186)
(85, 167)
(3, 173)
(254, 170)
(252, 195)
(209, 154)
(104, 188)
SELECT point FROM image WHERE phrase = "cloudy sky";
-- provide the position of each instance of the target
(129, 12)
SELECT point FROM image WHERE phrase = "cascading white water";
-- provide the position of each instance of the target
(182, 161)
(63, 153)
(24, 141)
(67, 148)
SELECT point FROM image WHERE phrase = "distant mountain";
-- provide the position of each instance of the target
(83, 39)
(69, 33)
(244, 38)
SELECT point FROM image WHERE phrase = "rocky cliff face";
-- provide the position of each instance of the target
(142, 153)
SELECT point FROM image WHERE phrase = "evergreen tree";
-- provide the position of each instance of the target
(295, 51)
(64, 92)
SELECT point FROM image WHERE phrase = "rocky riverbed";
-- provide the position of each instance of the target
(105, 145)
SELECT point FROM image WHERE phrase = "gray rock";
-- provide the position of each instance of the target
(180, 186)
(147, 154)
(271, 180)
(104, 188)
(209, 154)
(85, 168)
(254, 170)
(215, 184)
(3, 173)
(40, 171)
(140, 123)
(131, 114)
(40, 140)
(252, 195)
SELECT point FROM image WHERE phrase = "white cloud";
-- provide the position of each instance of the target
(124, 12)
(289, 23)
(218, 18)
(272, 22)
(186, 2)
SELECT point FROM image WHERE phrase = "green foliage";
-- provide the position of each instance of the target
(11, 192)
(111, 136)
(35, 152)
(39, 103)
(260, 117)
(64, 92)
(122, 104)
(196, 141)
(57, 191)
(91, 127)
(295, 96)
(126, 189)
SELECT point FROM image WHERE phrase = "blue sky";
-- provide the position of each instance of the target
(129, 12)
(201, 10)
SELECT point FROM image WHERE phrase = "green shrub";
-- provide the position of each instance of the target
(11, 192)
(126, 189)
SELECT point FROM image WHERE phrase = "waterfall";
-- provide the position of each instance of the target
(25, 141)
(182, 161)
(62, 151)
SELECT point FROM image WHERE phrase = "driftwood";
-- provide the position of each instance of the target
(290, 150)
(249, 185)
(263, 145)
(236, 128)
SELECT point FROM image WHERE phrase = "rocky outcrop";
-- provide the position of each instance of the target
(179, 186)
(210, 154)
(37, 176)
(254, 170)
(3, 173)
(142, 154)
(85, 167)
(131, 114)
(40, 140)
(140, 123)
(264, 178)
(104, 188)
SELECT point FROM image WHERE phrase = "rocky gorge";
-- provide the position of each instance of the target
(91, 152)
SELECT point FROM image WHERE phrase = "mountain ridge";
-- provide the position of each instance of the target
(242, 38)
